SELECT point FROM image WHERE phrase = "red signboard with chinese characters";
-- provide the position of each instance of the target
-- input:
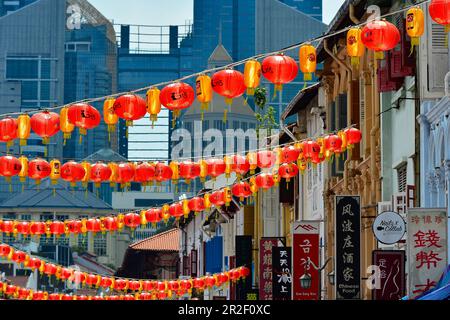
(392, 274)
(305, 259)
(265, 267)
(427, 248)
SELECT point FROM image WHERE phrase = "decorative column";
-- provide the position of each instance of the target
(432, 191)
(440, 187)
(424, 153)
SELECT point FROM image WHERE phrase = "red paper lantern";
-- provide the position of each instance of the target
(93, 225)
(74, 226)
(144, 173)
(91, 280)
(110, 223)
(217, 198)
(19, 257)
(145, 296)
(333, 143)
(216, 167)
(57, 228)
(185, 285)
(210, 281)
(311, 150)
(440, 12)
(121, 284)
(34, 263)
(266, 159)
(23, 293)
(106, 282)
(23, 228)
(125, 174)
(229, 84)
(45, 124)
(50, 269)
(66, 273)
(132, 220)
(82, 298)
(354, 136)
(240, 165)
(162, 295)
(72, 172)
(223, 278)
(38, 296)
(8, 227)
(380, 35)
(8, 130)
(245, 272)
(197, 204)
(37, 228)
(199, 284)
(153, 215)
(279, 69)
(176, 210)
(288, 171)
(189, 170)
(78, 277)
(130, 107)
(265, 181)
(289, 154)
(176, 97)
(100, 172)
(84, 116)
(9, 167)
(163, 172)
(173, 285)
(149, 285)
(4, 250)
(241, 190)
(38, 169)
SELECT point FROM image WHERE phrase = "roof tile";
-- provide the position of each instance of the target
(166, 241)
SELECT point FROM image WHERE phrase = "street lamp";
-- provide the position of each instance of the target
(306, 279)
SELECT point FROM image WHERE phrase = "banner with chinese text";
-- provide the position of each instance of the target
(282, 273)
(427, 249)
(347, 247)
(305, 259)
(392, 274)
(266, 246)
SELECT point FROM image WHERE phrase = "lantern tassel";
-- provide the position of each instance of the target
(278, 87)
(415, 41)
(250, 91)
(379, 55)
(23, 142)
(225, 113)
(307, 77)
(355, 61)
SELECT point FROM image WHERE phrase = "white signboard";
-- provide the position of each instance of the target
(427, 249)
(389, 227)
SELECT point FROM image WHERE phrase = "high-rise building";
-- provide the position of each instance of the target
(90, 72)
(8, 6)
(312, 8)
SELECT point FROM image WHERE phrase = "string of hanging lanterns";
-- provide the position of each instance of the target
(279, 69)
(96, 281)
(282, 163)
(148, 173)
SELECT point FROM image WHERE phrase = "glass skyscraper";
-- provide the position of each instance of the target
(312, 8)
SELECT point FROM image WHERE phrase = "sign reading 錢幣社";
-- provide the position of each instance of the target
(427, 248)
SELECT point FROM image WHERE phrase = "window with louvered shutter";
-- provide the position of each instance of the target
(438, 64)
(194, 260)
(401, 178)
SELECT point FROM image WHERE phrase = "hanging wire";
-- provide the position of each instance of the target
(231, 65)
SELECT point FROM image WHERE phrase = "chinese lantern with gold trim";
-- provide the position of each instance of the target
(153, 104)
(343, 137)
(355, 46)
(252, 76)
(204, 92)
(109, 115)
(279, 69)
(114, 173)
(8, 131)
(380, 36)
(228, 196)
(415, 25)
(440, 13)
(253, 186)
(87, 176)
(308, 61)
(55, 171)
(67, 127)
(203, 170)
(228, 166)
(165, 214)
(252, 158)
(207, 201)
(45, 124)
(174, 165)
(186, 209)
(24, 128)
(23, 174)
(9, 167)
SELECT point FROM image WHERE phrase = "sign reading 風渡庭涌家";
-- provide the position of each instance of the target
(347, 247)
(282, 273)
(389, 227)
(392, 285)
(266, 246)
(427, 248)
(305, 259)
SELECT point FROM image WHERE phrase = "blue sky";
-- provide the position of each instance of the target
(166, 12)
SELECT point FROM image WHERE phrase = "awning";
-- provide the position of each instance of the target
(440, 292)
(301, 100)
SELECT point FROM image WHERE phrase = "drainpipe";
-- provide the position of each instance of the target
(373, 132)
(446, 84)
(349, 100)
(352, 15)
